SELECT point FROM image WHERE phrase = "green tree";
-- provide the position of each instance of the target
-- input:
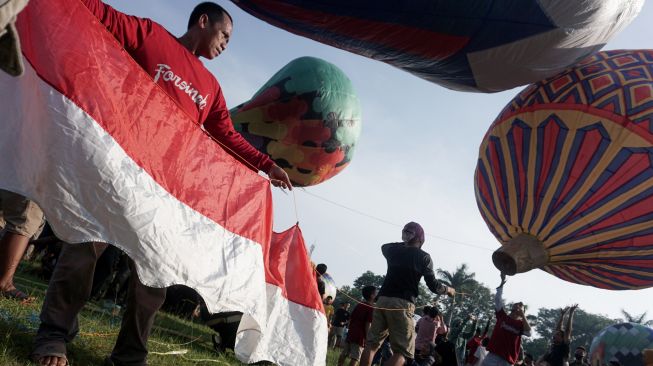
(369, 278)
(461, 280)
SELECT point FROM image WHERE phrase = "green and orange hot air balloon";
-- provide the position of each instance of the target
(307, 118)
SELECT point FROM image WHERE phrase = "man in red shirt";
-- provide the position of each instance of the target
(359, 324)
(474, 343)
(505, 341)
(174, 65)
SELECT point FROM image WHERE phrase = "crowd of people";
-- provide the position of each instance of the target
(381, 329)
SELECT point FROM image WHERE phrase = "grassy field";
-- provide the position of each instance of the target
(174, 341)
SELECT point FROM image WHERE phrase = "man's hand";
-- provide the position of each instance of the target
(503, 280)
(451, 292)
(279, 178)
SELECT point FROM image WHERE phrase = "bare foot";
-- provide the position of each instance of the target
(53, 361)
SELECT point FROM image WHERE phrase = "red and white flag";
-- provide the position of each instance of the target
(110, 157)
(296, 325)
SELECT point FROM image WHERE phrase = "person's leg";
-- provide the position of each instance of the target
(23, 220)
(343, 356)
(376, 335)
(68, 290)
(142, 304)
(401, 327)
(12, 248)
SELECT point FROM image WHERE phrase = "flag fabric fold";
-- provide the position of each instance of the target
(296, 331)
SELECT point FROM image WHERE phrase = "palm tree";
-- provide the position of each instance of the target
(458, 280)
(638, 319)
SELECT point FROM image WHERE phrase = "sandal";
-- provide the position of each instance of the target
(49, 350)
(17, 295)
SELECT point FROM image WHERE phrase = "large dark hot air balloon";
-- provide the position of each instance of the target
(307, 118)
(565, 174)
(471, 45)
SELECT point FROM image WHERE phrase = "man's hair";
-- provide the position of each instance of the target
(215, 12)
(433, 312)
(368, 291)
(329, 297)
(581, 347)
(321, 268)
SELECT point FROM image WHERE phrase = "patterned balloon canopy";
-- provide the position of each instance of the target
(564, 178)
(307, 118)
(623, 342)
(471, 45)
(330, 288)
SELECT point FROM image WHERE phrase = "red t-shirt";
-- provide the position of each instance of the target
(472, 345)
(360, 317)
(505, 341)
(181, 74)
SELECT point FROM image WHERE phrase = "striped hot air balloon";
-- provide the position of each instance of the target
(565, 174)
(469, 45)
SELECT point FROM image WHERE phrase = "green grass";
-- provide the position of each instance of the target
(98, 331)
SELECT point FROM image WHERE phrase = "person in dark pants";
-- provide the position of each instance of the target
(395, 306)
(160, 54)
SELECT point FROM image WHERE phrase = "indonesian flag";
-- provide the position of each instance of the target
(297, 327)
(110, 157)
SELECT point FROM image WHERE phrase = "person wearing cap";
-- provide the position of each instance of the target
(395, 306)
(505, 341)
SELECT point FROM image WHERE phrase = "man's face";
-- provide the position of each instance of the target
(579, 354)
(517, 308)
(557, 337)
(215, 37)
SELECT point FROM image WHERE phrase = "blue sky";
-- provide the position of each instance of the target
(415, 161)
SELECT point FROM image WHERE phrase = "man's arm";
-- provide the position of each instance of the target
(498, 297)
(487, 327)
(129, 30)
(469, 332)
(219, 125)
(570, 320)
(432, 283)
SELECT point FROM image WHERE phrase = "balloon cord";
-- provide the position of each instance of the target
(294, 199)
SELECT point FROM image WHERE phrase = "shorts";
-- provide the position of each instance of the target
(397, 324)
(20, 215)
(352, 350)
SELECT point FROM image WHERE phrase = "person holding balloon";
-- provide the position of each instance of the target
(505, 342)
